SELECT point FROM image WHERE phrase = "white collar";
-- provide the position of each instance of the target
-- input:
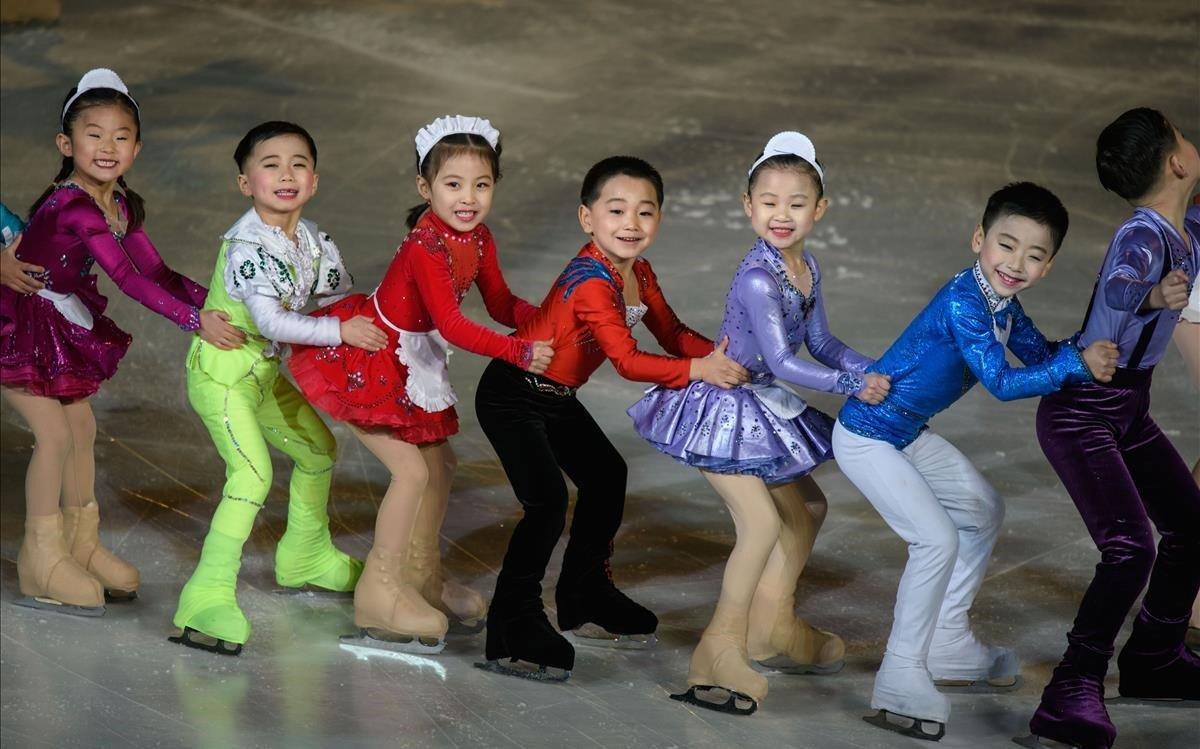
(994, 300)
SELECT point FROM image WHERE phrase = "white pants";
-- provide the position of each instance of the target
(931, 495)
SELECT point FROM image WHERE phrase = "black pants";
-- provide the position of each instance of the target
(539, 435)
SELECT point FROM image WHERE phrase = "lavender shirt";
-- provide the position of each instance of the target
(1133, 265)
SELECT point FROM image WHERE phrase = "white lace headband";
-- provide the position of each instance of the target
(93, 79)
(791, 143)
(428, 136)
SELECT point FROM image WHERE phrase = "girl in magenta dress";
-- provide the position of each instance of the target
(57, 347)
(399, 402)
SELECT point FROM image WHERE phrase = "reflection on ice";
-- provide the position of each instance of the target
(421, 662)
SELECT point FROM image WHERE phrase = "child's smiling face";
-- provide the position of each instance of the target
(623, 221)
(784, 206)
(1014, 253)
(103, 143)
(460, 194)
(279, 175)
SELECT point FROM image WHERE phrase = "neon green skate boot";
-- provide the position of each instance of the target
(208, 614)
(307, 558)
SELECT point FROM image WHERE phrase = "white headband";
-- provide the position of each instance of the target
(791, 143)
(93, 79)
(428, 136)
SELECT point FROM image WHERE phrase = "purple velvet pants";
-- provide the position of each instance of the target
(1124, 474)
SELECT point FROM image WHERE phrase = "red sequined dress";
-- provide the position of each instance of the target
(405, 387)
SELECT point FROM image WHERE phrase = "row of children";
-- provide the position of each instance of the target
(378, 362)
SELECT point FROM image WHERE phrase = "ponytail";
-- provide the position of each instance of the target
(414, 214)
(68, 166)
(135, 204)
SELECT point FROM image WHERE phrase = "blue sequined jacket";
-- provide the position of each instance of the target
(956, 341)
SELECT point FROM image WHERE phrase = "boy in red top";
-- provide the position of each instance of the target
(539, 429)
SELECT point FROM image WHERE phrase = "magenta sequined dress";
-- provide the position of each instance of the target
(58, 343)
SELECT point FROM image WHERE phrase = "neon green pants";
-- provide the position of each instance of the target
(262, 409)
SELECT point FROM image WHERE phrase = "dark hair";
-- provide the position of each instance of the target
(1031, 201)
(618, 166)
(266, 131)
(97, 97)
(1130, 152)
(455, 144)
(787, 162)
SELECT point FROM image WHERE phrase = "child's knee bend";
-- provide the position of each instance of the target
(1132, 551)
(941, 546)
(54, 440)
(412, 472)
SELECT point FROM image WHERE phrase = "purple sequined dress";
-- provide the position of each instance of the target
(58, 343)
(761, 429)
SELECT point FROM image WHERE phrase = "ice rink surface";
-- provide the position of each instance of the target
(919, 111)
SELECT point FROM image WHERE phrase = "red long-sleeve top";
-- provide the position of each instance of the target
(432, 272)
(584, 315)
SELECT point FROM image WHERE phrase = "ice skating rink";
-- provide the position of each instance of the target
(919, 110)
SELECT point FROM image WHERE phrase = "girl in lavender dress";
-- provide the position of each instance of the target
(57, 347)
(757, 444)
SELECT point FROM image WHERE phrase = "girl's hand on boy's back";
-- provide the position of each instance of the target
(718, 369)
(875, 388)
(215, 329)
(543, 354)
(361, 332)
(15, 274)
(1101, 358)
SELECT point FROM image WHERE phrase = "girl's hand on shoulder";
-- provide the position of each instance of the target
(718, 369)
(215, 329)
(543, 354)
(361, 332)
(15, 274)
(875, 388)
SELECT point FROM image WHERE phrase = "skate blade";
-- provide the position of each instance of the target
(916, 728)
(781, 664)
(119, 596)
(735, 703)
(58, 607)
(983, 686)
(194, 638)
(1033, 741)
(595, 636)
(1182, 703)
(314, 592)
(525, 670)
(466, 627)
(381, 639)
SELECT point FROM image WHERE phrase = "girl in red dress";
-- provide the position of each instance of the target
(399, 402)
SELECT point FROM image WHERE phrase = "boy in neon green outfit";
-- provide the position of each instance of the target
(271, 262)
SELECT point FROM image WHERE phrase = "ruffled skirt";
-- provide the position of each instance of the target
(367, 389)
(45, 354)
(733, 432)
